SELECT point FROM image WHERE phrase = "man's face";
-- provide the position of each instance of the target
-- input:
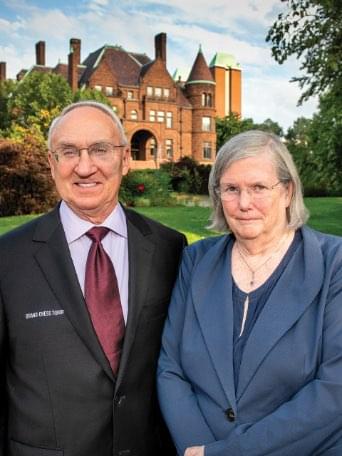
(89, 186)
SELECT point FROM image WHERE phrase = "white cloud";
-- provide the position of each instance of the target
(274, 98)
(219, 26)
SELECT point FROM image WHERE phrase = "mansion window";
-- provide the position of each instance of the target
(207, 150)
(134, 114)
(166, 93)
(149, 91)
(160, 116)
(207, 99)
(158, 92)
(153, 147)
(206, 124)
(98, 88)
(130, 95)
(169, 148)
(169, 120)
(152, 116)
(109, 91)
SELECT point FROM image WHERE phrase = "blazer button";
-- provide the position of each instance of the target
(230, 414)
(118, 400)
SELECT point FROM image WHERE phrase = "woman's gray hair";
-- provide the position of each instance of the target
(93, 104)
(251, 144)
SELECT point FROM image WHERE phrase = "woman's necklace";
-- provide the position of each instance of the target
(255, 270)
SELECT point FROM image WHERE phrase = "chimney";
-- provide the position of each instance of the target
(2, 71)
(75, 48)
(160, 46)
(74, 59)
(40, 53)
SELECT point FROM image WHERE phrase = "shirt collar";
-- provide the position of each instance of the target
(75, 227)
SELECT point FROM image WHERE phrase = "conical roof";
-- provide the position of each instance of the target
(200, 72)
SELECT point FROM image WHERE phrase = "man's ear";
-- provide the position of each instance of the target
(52, 163)
(126, 159)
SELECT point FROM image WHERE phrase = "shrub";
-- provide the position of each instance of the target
(147, 187)
(188, 176)
(25, 181)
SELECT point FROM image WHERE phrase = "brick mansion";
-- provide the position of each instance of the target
(165, 117)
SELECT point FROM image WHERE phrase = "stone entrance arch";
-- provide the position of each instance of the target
(144, 145)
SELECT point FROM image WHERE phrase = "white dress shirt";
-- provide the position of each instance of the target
(115, 244)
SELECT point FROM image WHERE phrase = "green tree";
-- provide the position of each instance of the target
(311, 30)
(91, 94)
(231, 125)
(299, 143)
(6, 89)
(326, 137)
(38, 93)
(271, 126)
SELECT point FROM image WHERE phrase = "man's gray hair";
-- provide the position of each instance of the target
(251, 144)
(93, 104)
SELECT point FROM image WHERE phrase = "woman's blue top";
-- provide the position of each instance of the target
(257, 300)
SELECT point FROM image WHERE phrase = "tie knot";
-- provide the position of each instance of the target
(97, 233)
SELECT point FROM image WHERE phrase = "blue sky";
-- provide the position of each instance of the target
(236, 27)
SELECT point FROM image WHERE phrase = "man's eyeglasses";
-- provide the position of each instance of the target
(230, 192)
(102, 151)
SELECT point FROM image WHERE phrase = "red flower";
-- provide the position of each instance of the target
(141, 188)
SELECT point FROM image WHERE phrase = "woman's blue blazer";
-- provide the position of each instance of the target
(288, 401)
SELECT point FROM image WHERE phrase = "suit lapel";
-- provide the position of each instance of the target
(140, 255)
(285, 306)
(212, 297)
(54, 259)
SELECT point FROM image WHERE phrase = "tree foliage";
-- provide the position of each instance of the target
(25, 180)
(91, 94)
(311, 30)
(231, 125)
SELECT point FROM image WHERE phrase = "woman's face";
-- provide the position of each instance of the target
(256, 210)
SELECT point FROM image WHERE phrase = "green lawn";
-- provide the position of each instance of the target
(326, 216)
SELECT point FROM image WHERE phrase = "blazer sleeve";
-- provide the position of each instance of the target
(177, 400)
(314, 413)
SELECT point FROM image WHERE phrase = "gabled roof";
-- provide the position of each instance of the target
(200, 72)
(125, 65)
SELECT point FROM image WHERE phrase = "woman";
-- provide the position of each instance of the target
(251, 361)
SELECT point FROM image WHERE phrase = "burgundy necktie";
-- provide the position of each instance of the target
(103, 298)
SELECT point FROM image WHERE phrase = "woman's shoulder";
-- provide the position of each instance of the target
(200, 248)
(329, 245)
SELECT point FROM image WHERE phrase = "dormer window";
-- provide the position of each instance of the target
(130, 95)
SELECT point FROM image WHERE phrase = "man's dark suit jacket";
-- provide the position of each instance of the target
(58, 394)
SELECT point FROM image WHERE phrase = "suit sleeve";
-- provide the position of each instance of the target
(177, 400)
(314, 413)
(3, 400)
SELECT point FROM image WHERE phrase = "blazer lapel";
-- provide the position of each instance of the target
(54, 259)
(294, 292)
(140, 254)
(212, 297)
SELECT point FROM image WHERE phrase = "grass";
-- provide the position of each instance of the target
(326, 216)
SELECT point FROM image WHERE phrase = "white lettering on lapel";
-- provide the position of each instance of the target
(44, 313)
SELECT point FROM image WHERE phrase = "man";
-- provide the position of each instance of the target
(79, 338)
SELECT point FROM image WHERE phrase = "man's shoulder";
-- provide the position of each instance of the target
(26, 231)
(148, 226)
